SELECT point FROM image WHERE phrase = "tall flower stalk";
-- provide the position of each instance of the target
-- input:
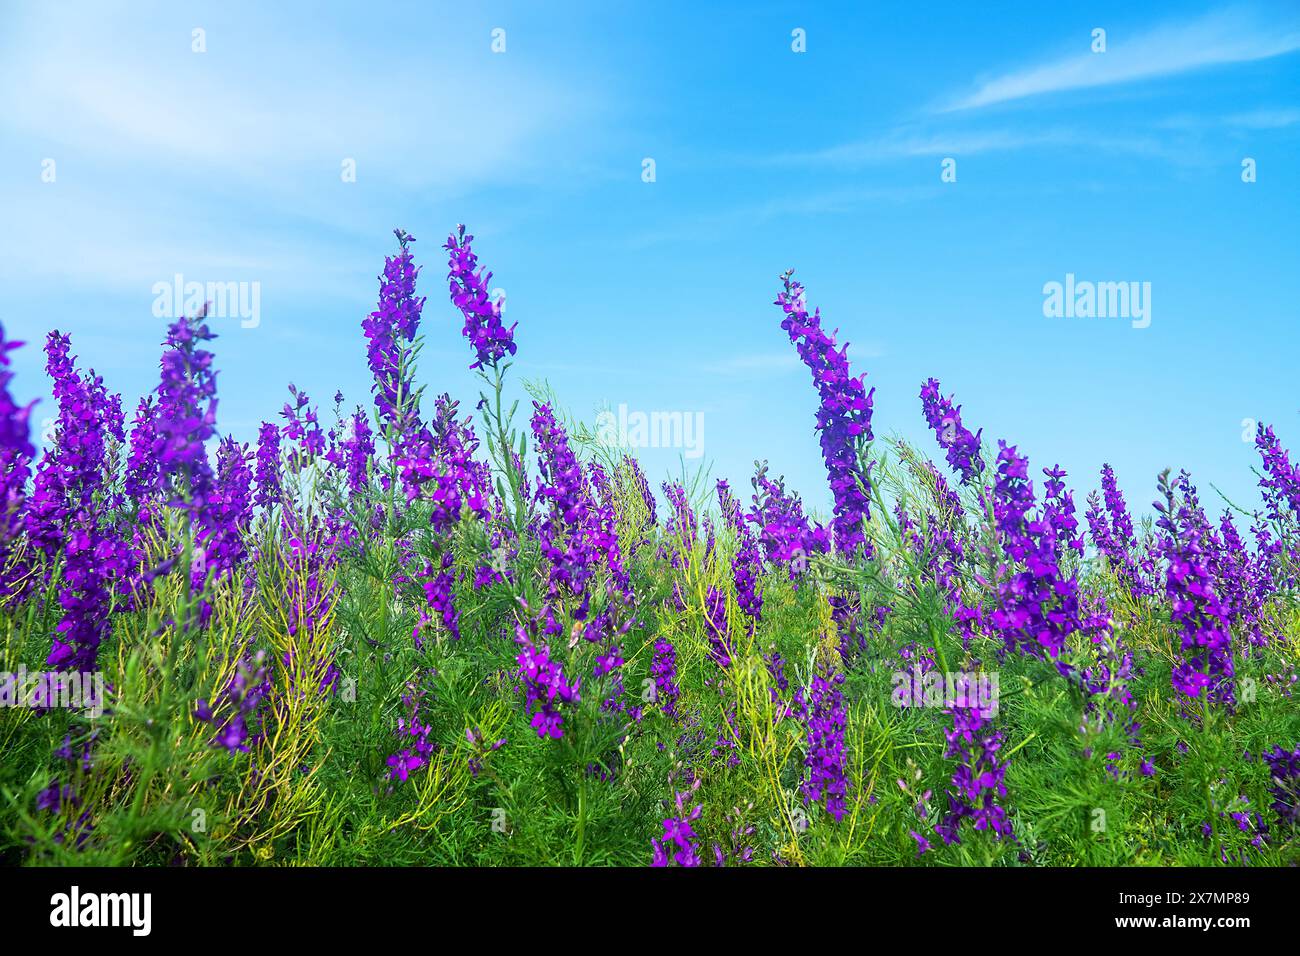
(16, 454)
(1206, 670)
(843, 418)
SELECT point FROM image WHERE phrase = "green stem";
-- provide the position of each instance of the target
(582, 817)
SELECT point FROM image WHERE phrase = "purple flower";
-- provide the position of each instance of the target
(1115, 539)
(469, 293)
(977, 781)
(16, 454)
(352, 450)
(1281, 479)
(566, 529)
(747, 564)
(64, 519)
(415, 731)
(1241, 579)
(1199, 616)
(844, 418)
(390, 331)
(14, 431)
(716, 626)
(784, 533)
(545, 686)
(638, 477)
(922, 844)
(680, 531)
(72, 472)
(141, 480)
(302, 428)
(437, 585)
(663, 669)
(963, 448)
(1284, 770)
(677, 843)
(825, 760)
(186, 414)
(237, 703)
(307, 561)
(1038, 602)
(226, 519)
(402, 764)
(268, 466)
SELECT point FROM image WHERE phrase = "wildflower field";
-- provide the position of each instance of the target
(429, 629)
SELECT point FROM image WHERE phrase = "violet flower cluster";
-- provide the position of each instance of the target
(717, 627)
(390, 334)
(310, 595)
(680, 530)
(1284, 772)
(663, 670)
(1112, 533)
(1281, 479)
(963, 448)
(642, 484)
(267, 476)
(229, 514)
(64, 510)
(1242, 579)
(185, 417)
(1038, 602)
(978, 780)
(747, 564)
(825, 759)
(414, 731)
(1199, 616)
(677, 843)
(237, 705)
(786, 536)
(844, 418)
(16, 454)
(565, 528)
(71, 473)
(14, 429)
(302, 429)
(1280, 485)
(352, 451)
(545, 686)
(469, 293)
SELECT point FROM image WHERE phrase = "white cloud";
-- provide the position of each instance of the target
(278, 106)
(906, 144)
(1265, 119)
(227, 164)
(1228, 36)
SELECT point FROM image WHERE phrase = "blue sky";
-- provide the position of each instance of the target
(1115, 166)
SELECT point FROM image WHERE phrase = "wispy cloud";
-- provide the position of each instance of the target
(906, 144)
(1235, 35)
(1265, 119)
(725, 223)
(1262, 118)
(120, 85)
(910, 144)
(228, 164)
